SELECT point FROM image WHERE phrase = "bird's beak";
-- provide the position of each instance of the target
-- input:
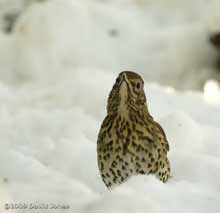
(124, 76)
(123, 89)
(123, 85)
(125, 80)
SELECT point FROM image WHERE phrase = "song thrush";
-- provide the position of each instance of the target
(130, 142)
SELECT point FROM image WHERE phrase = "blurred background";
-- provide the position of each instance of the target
(174, 43)
(58, 62)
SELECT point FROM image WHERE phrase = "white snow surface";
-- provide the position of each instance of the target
(56, 71)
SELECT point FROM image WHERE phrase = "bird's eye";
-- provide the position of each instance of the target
(138, 85)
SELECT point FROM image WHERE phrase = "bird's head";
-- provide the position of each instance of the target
(128, 91)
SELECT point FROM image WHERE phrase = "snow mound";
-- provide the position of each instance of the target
(50, 150)
(56, 71)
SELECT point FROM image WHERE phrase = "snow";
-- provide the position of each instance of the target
(211, 91)
(56, 70)
(164, 42)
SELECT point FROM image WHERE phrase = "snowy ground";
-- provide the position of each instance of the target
(53, 90)
(48, 149)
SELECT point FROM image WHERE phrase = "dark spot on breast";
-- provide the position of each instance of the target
(134, 144)
(110, 143)
(138, 165)
(119, 172)
(114, 164)
(106, 157)
(113, 172)
(138, 149)
(111, 149)
(140, 133)
(129, 131)
(133, 126)
(121, 160)
(118, 149)
(102, 166)
(109, 127)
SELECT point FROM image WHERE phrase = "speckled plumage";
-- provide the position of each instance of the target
(130, 142)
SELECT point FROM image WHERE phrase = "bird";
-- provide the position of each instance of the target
(130, 142)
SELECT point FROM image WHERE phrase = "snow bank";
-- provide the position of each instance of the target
(56, 71)
(48, 139)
